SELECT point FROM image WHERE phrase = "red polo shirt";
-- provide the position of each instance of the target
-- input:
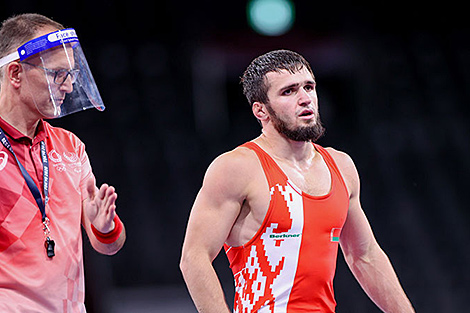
(29, 280)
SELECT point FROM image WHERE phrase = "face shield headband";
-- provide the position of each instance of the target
(57, 74)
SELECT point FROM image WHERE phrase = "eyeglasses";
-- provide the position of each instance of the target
(60, 76)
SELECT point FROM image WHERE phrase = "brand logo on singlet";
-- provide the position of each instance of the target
(3, 159)
(282, 236)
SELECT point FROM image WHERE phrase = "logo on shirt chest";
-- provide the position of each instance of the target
(64, 161)
(3, 159)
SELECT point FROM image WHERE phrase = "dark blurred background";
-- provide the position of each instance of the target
(393, 83)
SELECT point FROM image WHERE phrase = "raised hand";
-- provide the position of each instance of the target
(100, 206)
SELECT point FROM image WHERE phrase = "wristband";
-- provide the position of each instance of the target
(113, 235)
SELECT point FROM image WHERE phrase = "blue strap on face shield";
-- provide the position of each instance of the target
(46, 42)
(40, 44)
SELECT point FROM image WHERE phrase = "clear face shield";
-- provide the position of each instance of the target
(57, 74)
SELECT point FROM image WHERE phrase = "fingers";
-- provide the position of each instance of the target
(102, 191)
(91, 188)
(107, 195)
(110, 202)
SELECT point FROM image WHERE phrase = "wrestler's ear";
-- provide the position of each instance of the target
(259, 111)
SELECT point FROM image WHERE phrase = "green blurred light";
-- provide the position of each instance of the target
(271, 17)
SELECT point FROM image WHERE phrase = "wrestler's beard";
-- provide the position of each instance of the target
(303, 133)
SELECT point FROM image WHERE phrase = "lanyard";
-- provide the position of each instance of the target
(49, 244)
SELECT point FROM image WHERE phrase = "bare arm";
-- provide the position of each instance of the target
(367, 261)
(214, 212)
(99, 210)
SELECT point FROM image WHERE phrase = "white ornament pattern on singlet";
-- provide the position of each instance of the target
(278, 247)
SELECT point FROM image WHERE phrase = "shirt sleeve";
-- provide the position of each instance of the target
(86, 170)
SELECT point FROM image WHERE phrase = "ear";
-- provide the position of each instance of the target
(259, 111)
(13, 74)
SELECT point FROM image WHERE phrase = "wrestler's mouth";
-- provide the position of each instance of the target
(306, 113)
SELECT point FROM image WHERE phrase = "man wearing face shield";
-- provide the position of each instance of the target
(47, 187)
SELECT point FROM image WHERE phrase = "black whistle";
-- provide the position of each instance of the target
(49, 245)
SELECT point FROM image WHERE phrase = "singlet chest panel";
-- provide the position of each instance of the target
(288, 266)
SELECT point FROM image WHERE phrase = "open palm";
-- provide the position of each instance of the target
(100, 206)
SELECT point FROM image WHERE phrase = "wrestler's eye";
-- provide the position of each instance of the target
(287, 92)
(309, 87)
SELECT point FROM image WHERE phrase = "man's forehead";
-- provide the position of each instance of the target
(55, 55)
(285, 76)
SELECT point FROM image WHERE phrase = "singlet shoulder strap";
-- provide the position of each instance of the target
(330, 163)
(273, 172)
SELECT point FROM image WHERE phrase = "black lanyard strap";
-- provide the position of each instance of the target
(29, 181)
(49, 243)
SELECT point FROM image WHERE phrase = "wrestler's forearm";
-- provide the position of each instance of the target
(377, 277)
(204, 286)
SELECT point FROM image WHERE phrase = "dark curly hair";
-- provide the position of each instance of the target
(254, 78)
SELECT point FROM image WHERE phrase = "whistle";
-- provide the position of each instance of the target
(49, 245)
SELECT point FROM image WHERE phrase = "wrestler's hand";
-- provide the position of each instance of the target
(100, 206)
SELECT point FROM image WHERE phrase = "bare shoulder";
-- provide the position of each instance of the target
(342, 159)
(346, 166)
(232, 168)
(237, 161)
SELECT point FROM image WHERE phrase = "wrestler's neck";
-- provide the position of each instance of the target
(280, 147)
